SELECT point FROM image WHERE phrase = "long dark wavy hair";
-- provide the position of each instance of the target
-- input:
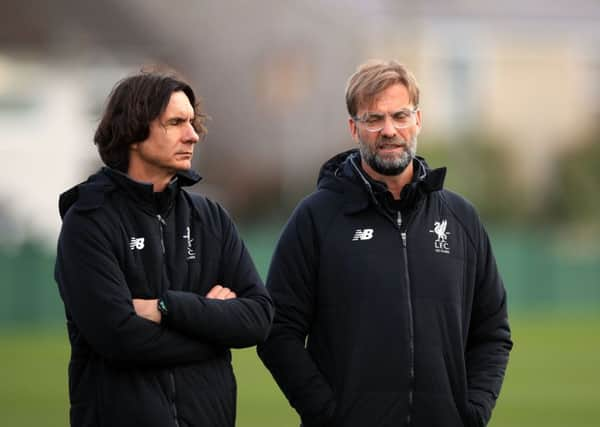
(133, 103)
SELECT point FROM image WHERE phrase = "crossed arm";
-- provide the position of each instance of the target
(117, 326)
(148, 308)
(98, 305)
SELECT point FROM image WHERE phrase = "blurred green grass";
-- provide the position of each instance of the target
(552, 379)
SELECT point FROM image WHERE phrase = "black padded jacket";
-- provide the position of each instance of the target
(386, 318)
(120, 241)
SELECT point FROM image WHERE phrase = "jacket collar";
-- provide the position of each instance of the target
(143, 193)
(361, 190)
(90, 194)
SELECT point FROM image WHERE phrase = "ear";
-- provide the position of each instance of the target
(419, 123)
(353, 129)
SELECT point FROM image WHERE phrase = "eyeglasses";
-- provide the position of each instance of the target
(401, 119)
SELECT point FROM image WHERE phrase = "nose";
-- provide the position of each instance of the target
(388, 127)
(191, 136)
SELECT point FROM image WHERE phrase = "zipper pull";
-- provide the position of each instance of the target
(399, 219)
(403, 234)
(161, 220)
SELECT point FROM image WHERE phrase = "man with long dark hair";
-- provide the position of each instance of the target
(157, 284)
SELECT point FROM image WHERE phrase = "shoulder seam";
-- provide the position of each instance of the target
(333, 216)
(458, 218)
(195, 200)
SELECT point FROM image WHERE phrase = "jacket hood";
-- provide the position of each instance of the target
(343, 173)
(90, 194)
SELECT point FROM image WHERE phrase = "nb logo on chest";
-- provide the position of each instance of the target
(363, 234)
(136, 243)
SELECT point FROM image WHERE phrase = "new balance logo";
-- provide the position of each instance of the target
(363, 234)
(136, 243)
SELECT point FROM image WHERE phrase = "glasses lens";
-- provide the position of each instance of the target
(403, 118)
(374, 122)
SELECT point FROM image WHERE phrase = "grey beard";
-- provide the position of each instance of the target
(391, 167)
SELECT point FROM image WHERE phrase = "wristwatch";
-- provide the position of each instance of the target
(162, 307)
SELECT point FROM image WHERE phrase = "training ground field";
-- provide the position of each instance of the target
(553, 378)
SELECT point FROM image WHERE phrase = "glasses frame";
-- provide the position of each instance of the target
(413, 113)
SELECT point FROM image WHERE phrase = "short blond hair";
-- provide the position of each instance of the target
(374, 76)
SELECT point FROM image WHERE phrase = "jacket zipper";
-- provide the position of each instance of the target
(173, 405)
(162, 224)
(411, 328)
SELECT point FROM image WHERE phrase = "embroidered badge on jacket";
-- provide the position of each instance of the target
(363, 234)
(136, 243)
(441, 242)
(191, 253)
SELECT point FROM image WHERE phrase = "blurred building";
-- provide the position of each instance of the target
(272, 76)
(48, 112)
(526, 71)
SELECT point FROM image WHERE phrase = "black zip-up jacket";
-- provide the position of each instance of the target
(120, 241)
(405, 313)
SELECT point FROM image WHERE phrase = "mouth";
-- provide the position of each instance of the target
(390, 147)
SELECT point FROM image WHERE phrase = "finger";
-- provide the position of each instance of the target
(231, 295)
(227, 295)
(223, 293)
(214, 291)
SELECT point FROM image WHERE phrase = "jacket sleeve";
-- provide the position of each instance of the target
(240, 322)
(291, 281)
(489, 341)
(97, 300)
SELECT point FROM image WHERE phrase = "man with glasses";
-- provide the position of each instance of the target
(389, 308)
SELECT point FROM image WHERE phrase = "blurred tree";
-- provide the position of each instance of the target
(479, 168)
(573, 194)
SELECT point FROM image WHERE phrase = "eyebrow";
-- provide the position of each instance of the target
(179, 117)
(392, 113)
(379, 113)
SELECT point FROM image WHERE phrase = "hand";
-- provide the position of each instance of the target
(148, 309)
(220, 292)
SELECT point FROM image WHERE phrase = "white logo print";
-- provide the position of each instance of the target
(363, 234)
(441, 243)
(191, 254)
(136, 243)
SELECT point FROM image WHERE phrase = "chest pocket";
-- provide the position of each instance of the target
(437, 260)
(143, 265)
(193, 258)
(361, 262)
